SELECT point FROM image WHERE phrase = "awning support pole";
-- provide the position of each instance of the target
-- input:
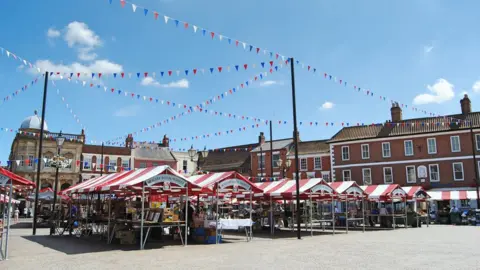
(186, 217)
(333, 214)
(251, 221)
(393, 214)
(406, 212)
(142, 216)
(216, 217)
(363, 212)
(311, 215)
(8, 218)
(346, 213)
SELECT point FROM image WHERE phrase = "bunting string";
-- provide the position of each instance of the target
(18, 91)
(70, 110)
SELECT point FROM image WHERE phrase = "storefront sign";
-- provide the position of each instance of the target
(398, 192)
(322, 189)
(354, 190)
(234, 183)
(3, 180)
(167, 179)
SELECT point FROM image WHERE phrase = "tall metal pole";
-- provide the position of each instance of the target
(295, 143)
(475, 165)
(261, 163)
(55, 188)
(271, 151)
(101, 164)
(39, 158)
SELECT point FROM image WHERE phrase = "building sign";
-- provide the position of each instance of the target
(322, 189)
(354, 190)
(235, 183)
(422, 171)
(167, 179)
(3, 180)
(398, 192)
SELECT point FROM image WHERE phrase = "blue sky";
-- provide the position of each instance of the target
(401, 49)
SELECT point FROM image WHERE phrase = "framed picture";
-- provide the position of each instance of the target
(156, 218)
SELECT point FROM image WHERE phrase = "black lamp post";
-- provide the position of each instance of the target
(285, 166)
(192, 152)
(59, 140)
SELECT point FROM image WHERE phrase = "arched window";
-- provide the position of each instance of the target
(64, 186)
(69, 156)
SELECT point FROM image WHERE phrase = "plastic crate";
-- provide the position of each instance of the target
(199, 231)
(211, 239)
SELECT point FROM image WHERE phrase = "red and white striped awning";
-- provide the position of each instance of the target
(4, 199)
(452, 195)
(226, 182)
(349, 188)
(315, 186)
(90, 184)
(384, 192)
(416, 192)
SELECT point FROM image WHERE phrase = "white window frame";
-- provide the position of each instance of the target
(368, 151)
(414, 174)
(315, 163)
(348, 153)
(89, 161)
(261, 162)
(343, 175)
(110, 167)
(430, 172)
(405, 148)
(477, 140)
(185, 165)
(434, 143)
(30, 161)
(363, 176)
(453, 170)
(301, 164)
(384, 175)
(142, 163)
(451, 144)
(327, 178)
(389, 150)
(275, 165)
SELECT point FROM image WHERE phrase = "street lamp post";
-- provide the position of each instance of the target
(285, 166)
(191, 153)
(59, 140)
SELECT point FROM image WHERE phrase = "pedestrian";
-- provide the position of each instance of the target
(16, 214)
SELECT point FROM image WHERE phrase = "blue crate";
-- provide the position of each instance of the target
(211, 239)
(199, 231)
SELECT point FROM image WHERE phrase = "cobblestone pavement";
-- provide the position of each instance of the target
(437, 247)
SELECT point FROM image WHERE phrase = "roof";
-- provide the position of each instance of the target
(313, 147)
(107, 150)
(230, 158)
(154, 153)
(33, 122)
(277, 145)
(408, 127)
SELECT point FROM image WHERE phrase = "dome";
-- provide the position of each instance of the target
(33, 122)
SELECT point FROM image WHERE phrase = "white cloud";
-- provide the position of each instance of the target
(149, 81)
(327, 105)
(86, 54)
(269, 83)
(476, 87)
(427, 49)
(440, 92)
(53, 33)
(103, 66)
(78, 35)
(128, 111)
(21, 67)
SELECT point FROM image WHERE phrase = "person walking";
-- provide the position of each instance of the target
(16, 215)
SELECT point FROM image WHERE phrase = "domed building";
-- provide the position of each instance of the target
(24, 154)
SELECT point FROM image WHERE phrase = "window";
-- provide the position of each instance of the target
(154, 164)
(261, 162)
(303, 164)
(22, 163)
(276, 157)
(411, 176)
(347, 175)
(365, 151)
(318, 163)
(69, 157)
(367, 176)
(434, 172)
(408, 148)
(345, 153)
(326, 176)
(30, 161)
(87, 162)
(185, 165)
(386, 150)
(432, 145)
(388, 175)
(125, 164)
(143, 165)
(465, 203)
(477, 139)
(112, 166)
(457, 171)
(455, 143)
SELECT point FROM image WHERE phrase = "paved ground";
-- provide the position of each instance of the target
(437, 247)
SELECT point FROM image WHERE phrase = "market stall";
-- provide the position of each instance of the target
(417, 196)
(453, 205)
(229, 184)
(8, 183)
(385, 205)
(351, 193)
(132, 213)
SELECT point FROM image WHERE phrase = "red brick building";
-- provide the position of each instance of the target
(313, 157)
(153, 155)
(431, 152)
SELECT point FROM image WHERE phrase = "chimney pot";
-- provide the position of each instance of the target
(396, 113)
(261, 138)
(466, 105)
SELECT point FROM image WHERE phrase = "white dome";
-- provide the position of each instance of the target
(33, 122)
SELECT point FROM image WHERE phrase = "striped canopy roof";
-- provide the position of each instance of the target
(416, 192)
(452, 195)
(384, 192)
(225, 181)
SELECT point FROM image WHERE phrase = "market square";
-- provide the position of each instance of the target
(195, 132)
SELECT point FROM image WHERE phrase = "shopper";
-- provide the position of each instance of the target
(15, 215)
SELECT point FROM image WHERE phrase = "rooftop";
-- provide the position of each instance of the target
(313, 147)
(276, 144)
(154, 153)
(107, 150)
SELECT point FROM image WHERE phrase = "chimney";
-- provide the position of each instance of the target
(261, 138)
(466, 105)
(396, 112)
(165, 141)
(129, 141)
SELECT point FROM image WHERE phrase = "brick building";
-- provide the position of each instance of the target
(314, 160)
(431, 152)
(233, 158)
(261, 157)
(152, 155)
(115, 159)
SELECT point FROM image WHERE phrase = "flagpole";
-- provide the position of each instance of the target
(39, 163)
